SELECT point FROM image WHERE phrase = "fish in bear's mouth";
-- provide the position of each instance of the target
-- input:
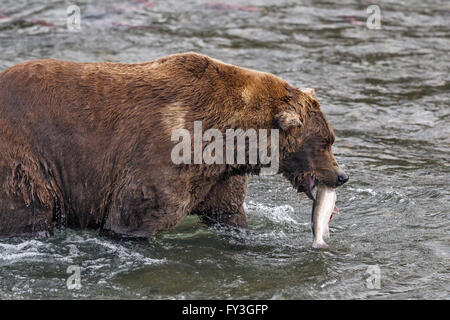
(311, 189)
(311, 186)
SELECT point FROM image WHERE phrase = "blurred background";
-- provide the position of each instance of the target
(384, 85)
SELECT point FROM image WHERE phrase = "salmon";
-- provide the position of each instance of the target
(322, 211)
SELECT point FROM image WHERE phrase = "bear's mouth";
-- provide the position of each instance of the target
(311, 186)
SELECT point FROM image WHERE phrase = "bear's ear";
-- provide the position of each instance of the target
(310, 92)
(288, 119)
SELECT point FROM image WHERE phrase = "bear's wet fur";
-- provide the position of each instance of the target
(88, 145)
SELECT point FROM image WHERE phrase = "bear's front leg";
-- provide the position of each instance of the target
(224, 204)
(140, 211)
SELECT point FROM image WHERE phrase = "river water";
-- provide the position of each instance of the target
(385, 91)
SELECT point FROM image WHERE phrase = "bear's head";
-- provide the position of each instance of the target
(306, 137)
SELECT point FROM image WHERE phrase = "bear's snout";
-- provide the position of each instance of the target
(341, 178)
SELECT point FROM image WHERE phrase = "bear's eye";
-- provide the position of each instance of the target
(319, 148)
(323, 145)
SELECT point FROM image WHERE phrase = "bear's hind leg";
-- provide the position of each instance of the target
(19, 219)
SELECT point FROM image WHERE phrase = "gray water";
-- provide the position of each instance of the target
(386, 93)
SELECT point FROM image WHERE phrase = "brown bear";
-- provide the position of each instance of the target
(88, 145)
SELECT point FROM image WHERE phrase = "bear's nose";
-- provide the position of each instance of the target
(341, 179)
